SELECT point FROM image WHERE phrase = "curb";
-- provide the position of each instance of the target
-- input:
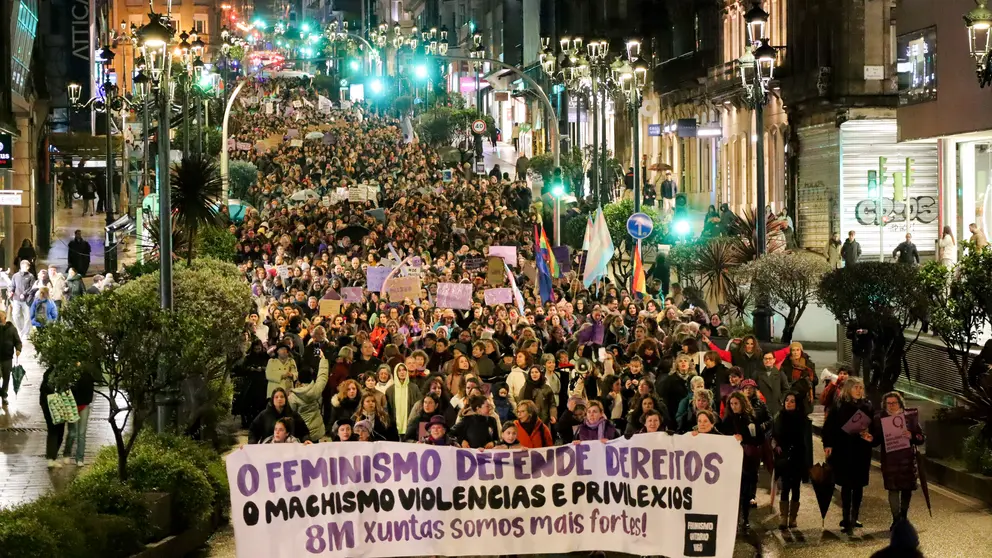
(944, 474)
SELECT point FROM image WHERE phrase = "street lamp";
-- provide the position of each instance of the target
(756, 67)
(633, 78)
(979, 24)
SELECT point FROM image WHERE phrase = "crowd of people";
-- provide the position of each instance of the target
(593, 364)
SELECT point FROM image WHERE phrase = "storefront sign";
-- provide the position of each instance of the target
(7, 152)
(923, 209)
(11, 197)
(654, 130)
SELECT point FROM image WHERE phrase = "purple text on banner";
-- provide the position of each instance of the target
(508, 253)
(375, 276)
(564, 260)
(498, 296)
(351, 294)
(457, 296)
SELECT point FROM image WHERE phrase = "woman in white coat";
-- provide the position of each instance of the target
(305, 399)
(947, 249)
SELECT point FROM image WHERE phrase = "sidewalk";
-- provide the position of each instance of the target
(24, 475)
(68, 221)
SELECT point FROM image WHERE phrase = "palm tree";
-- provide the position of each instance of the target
(196, 191)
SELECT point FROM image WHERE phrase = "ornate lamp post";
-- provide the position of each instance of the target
(979, 24)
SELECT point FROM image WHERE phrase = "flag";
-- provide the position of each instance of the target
(519, 298)
(544, 248)
(544, 272)
(639, 281)
(586, 238)
(600, 250)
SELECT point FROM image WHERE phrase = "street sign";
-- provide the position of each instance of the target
(639, 226)
(6, 153)
(686, 127)
(479, 126)
(654, 130)
(10, 197)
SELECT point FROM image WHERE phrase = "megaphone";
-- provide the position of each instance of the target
(827, 376)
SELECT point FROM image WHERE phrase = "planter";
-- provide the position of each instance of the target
(945, 438)
(181, 544)
(159, 514)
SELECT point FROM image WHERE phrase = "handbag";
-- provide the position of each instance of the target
(62, 407)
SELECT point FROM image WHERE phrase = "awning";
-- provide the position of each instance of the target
(83, 145)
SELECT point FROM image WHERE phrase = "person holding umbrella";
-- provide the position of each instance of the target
(898, 466)
(847, 444)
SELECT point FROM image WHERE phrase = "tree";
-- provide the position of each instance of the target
(196, 191)
(707, 266)
(242, 176)
(789, 280)
(883, 298)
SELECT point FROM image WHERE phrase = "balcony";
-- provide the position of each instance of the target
(682, 72)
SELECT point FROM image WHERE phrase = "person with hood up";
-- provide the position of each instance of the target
(501, 402)
(278, 408)
(531, 431)
(476, 428)
(537, 390)
(899, 471)
(281, 370)
(740, 424)
(250, 382)
(401, 397)
(595, 426)
(74, 284)
(791, 440)
(437, 433)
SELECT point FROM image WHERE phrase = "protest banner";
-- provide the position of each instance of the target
(651, 495)
(894, 429)
(457, 296)
(283, 271)
(472, 264)
(498, 296)
(508, 253)
(243, 146)
(496, 271)
(352, 295)
(563, 258)
(329, 307)
(399, 288)
(375, 275)
(232, 143)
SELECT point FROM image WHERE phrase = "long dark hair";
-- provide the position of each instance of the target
(947, 232)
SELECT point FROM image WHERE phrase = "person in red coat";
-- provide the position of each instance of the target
(899, 471)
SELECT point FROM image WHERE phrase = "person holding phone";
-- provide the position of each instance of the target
(848, 449)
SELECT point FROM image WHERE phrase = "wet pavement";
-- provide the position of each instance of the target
(68, 221)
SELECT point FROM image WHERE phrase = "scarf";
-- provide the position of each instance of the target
(530, 425)
(401, 391)
(599, 425)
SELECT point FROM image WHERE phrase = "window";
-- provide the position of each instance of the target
(200, 24)
(22, 44)
(916, 64)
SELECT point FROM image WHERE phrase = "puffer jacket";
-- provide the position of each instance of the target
(305, 400)
(899, 470)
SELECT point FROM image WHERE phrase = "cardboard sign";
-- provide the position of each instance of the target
(530, 271)
(296, 143)
(858, 423)
(243, 146)
(375, 276)
(498, 296)
(292, 133)
(283, 271)
(508, 253)
(456, 296)
(352, 295)
(269, 108)
(329, 307)
(495, 272)
(297, 104)
(403, 287)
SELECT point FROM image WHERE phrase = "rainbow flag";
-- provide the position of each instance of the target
(638, 280)
(544, 249)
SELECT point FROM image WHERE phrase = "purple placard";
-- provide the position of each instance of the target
(375, 276)
(592, 334)
(457, 296)
(292, 133)
(563, 258)
(508, 253)
(498, 296)
(858, 423)
(351, 295)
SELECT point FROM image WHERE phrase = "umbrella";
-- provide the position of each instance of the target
(18, 374)
(822, 478)
(921, 467)
(355, 232)
(304, 195)
(660, 167)
(314, 135)
(379, 214)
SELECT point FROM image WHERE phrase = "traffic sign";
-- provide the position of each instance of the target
(479, 126)
(639, 226)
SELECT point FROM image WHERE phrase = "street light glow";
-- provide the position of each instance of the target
(421, 71)
(558, 190)
(682, 227)
(354, 65)
(376, 86)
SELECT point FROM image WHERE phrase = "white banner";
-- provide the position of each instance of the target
(323, 104)
(651, 495)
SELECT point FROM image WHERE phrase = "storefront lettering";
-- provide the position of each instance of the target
(922, 209)
(81, 29)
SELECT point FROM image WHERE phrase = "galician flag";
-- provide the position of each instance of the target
(638, 280)
(600, 250)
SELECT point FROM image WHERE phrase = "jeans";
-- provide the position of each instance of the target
(21, 317)
(5, 367)
(54, 441)
(899, 503)
(77, 434)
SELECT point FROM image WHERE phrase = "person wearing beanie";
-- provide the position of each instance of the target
(437, 433)
(363, 429)
(344, 431)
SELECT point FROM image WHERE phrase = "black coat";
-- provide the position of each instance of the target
(263, 425)
(477, 430)
(735, 424)
(672, 389)
(79, 255)
(851, 457)
(899, 467)
(10, 341)
(791, 438)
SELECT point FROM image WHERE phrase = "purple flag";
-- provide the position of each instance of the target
(375, 276)
(592, 334)
(563, 258)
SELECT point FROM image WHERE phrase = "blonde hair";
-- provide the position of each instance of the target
(684, 357)
(849, 384)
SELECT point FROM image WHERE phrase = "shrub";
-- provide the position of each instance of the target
(155, 469)
(242, 177)
(977, 453)
(25, 536)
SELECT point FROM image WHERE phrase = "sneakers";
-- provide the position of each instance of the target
(54, 464)
(79, 463)
(67, 460)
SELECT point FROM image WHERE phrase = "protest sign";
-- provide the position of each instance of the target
(894, 431)
(375, 275)
(283, 271)
(563, 258)
(243, 146)
(496, 272)
(296, 143)
(232, 143)
(508, 253)
(403, 287)
(653, 494)
(297, 104)
(268, 108)
(292, 133)
(329, 307)
(858, 423)
(352, 295)
(471, 264)
(529, 270)
(498, 296)
(457, 296)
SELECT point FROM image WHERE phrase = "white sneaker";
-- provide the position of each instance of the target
(54, 464)
(67, 460)
(79, 463)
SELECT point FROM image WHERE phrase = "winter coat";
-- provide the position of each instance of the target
(773, 384)
(738, 424)
(851, 457)
(672, 389)
(538, 437)
(43, 312)
(791, 440)
(305, 400)
(75, 286)
(585, 431)
(794, 374)
(265, 423)
(345, 408)
(503, 408)
(685, 417)
(851, 252)
(542, 395)
(477, 430)
(277, 373)
(899, 467)
(833, 254)
(413, 425)
(10, 341)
